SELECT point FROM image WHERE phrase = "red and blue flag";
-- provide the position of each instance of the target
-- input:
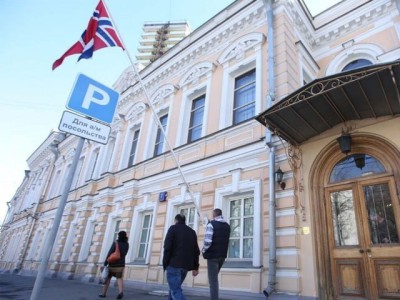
(100, 33)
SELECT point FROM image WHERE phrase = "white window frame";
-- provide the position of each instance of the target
(110, 229)
(243, 87)
(34, 245)
(69, 242)
(145, 208)
(77, 175)
(151, 138)
(93, 165)
(241, 217)
(253, 188)
(64, 179)
(128, 145)
(107, 155)
(140, 232)
(54, 184)
(235, 63)
(184, 120)
(162, 132)
(369, 52)
(87, 239)
(228, 88)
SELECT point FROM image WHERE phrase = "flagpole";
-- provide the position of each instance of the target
(154, 113)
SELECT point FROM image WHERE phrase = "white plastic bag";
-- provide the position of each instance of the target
(104, 274)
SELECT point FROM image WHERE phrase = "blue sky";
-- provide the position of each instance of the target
(35, 34)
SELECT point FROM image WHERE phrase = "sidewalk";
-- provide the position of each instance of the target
(18, 287)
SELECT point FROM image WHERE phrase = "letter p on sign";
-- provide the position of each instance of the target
(93, 99)
(95, 95)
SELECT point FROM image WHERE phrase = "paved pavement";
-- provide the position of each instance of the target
(18, 287)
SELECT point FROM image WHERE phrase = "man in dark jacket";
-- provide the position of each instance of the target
(215, 249)
(181, 254)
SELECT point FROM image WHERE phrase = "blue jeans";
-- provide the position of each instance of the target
(213, 267)
(175, 278)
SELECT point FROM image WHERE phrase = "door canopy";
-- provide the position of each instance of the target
(368, 92)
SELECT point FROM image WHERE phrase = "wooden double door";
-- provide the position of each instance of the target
(363, 218)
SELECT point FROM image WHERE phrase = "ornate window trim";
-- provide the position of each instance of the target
(239, 47)
(194, 75)
(352, 52)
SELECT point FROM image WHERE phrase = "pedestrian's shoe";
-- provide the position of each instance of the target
(102, 296)
(120, 295)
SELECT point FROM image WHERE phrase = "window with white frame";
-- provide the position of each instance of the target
(64, 180)
(108, 156)
(244, 97)
(69, 242)
(77, 173)
(34, 245)
(88, 241)
(144, 237)
(196, 119)
(116, 230)
(133, 150)
(241, 220)
(160, 139)
(92, 165)
(357, 63)
(89, 250)
(190, 213)
(54, 185)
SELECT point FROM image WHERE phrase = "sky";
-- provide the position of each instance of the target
(36, 33)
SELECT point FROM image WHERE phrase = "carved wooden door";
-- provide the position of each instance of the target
(363, 227)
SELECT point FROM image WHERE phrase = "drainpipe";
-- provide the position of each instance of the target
(268, 138)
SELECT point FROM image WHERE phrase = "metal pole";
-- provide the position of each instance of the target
(49, 243)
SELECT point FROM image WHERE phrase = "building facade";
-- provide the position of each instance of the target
(335, 74)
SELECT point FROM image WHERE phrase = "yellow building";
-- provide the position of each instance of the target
(313, 81)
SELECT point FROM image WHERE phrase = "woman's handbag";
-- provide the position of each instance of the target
(115, 256)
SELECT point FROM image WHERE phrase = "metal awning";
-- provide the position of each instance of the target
(368, 92)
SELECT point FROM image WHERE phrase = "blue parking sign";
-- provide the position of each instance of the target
(93, 99)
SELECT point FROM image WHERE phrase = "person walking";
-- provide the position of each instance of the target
(215, 249)
(181, 254)
(116, 269)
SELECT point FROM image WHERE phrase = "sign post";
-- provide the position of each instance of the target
(49, 243)
(94, 100)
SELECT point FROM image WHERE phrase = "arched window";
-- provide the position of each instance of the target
(355, 64)
(356, 165)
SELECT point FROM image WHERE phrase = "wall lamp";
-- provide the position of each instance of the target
(279, 178)
(359, 160)
(344, 142)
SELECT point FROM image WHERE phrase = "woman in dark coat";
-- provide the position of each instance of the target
(116, 269)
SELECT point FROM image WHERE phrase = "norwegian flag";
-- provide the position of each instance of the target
(99, 33)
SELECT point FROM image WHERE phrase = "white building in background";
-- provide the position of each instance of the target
(158, 38)
(207, 91)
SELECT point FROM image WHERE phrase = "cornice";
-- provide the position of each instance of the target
(345, 23)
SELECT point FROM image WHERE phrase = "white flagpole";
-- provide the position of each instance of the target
(154, 113)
